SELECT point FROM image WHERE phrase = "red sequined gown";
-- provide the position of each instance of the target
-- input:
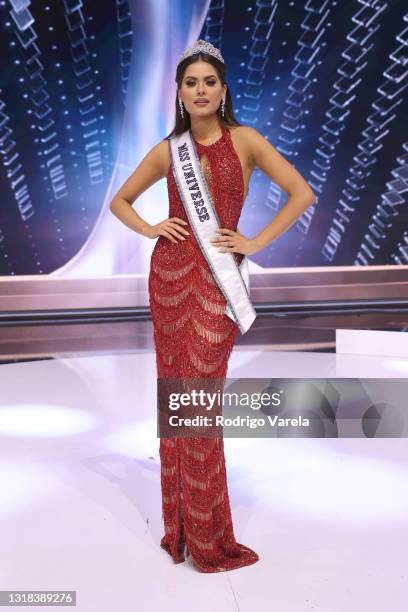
(194, 338)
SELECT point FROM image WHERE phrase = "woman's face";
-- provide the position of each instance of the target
(200, 80)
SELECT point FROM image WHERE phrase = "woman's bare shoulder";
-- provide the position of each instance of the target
(245, 132)
(241, 129)
(245, 138)
(161, 155)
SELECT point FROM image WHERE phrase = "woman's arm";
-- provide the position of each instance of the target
(283, 174)
(152, 168)
(261, 154)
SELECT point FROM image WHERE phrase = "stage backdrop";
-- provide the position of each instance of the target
(87, 88)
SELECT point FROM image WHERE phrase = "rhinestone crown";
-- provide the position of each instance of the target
(202, 46)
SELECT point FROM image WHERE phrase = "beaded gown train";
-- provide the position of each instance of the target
(193, 339)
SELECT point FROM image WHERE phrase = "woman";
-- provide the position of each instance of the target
(193, 335)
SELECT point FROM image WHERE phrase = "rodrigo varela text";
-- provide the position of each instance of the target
(237, 421)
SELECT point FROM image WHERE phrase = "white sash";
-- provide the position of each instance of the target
(233, 280)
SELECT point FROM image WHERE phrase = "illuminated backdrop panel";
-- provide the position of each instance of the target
(87, 88)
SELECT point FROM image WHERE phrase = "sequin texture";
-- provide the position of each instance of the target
(193, 338)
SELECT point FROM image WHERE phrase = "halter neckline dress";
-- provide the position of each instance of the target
(194, 338)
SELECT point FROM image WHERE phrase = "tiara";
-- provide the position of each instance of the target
(202, 46)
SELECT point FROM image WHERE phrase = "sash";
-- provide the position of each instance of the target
(233, 280)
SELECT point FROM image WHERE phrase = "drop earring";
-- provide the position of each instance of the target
(181, 107)
(223, 107)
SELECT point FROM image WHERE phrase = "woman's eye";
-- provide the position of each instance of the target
(192, 83)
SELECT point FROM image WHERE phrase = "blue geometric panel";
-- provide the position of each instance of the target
(87, 88)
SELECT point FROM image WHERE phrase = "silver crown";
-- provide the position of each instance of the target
(202, 46)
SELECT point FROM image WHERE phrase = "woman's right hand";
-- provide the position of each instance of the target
(169, 228)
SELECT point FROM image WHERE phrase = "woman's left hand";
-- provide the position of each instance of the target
(229, 241)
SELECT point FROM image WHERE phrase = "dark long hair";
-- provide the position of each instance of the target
(184, 123)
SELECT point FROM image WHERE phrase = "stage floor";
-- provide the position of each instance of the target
(81, 503)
